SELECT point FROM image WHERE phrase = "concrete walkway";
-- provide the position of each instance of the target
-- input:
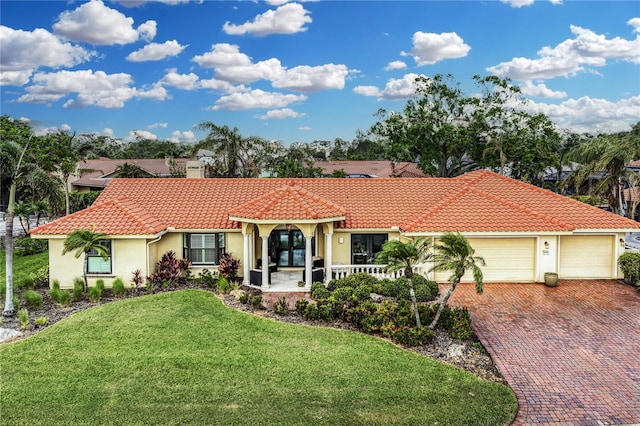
(570, 353)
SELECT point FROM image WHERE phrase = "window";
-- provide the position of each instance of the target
(96, 264)
(204, 249)
(365, 246)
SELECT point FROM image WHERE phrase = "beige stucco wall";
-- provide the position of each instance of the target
(127, 256)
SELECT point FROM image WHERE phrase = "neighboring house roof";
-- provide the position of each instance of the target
(631, 194)
(480, 201)
(100, 171)
(371, 168)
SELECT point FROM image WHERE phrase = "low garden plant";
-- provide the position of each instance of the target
(33, 299)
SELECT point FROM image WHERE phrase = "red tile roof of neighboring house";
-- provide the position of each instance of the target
(372, 168)
(98, 172)
(480, 201)
(288, 202)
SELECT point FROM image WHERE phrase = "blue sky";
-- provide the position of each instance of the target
(305, 71)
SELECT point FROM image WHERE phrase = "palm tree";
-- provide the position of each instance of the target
(235, 150)
(83, 241)
(128, 170)
(398, 255)
(454, 253)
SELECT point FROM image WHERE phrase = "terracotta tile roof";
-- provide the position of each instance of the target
(289, 202)
(481, 201)
(99, 171)
(119, 216)
(372, 168)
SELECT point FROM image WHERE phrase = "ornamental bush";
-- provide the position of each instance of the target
(629, 262)
(33, 299)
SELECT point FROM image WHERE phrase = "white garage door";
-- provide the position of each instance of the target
(586, 256)
(508, 260)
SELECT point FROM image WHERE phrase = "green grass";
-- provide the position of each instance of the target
(185, 358)
(23, 266)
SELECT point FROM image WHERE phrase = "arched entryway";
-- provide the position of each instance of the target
(287, 247)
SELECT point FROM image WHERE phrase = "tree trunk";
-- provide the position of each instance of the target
(9, 309)
(444, 303)
(414, 302)
(84, 271)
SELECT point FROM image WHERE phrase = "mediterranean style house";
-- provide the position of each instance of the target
(330, 227)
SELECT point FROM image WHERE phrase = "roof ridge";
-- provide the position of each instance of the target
(130, 207)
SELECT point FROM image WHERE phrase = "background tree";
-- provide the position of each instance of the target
(454, 253)
(129, 170)
(404, 256)
(234, 152)
(83, 241)
(298, 161)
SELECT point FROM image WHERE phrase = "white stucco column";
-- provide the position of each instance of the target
(265, 261)
(246, 259)
(328, 255)
(308, 263)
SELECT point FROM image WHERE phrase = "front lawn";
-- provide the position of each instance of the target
(185, 358)
(23, 267)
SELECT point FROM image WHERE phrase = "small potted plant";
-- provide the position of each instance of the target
(550, 279)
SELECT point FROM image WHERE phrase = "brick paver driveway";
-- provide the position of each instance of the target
(570, 353)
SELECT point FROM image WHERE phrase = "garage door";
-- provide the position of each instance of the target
(586, 256)
(508, 259)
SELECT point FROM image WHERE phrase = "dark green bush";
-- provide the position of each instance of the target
(256, 302)
(392, 288)
(363, 292)
(319, 293)
(100, 286)
(27, 282)
(244, 297)
(78, 289)
(359, 278)
(94, 294)
(454, 320)
(26, 246)
(33, 299)
(629, 263)
(281, 307)
(358, 311)
(64, 298)
(408, 336)
(117, 287)
(316, 285)
(223, 285)
(311, 312)
(342, 294)
(301, 306)
(208, 278)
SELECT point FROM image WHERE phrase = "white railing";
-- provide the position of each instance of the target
(378, 271)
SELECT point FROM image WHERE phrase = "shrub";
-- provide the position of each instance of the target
(27, 282)
(316, 285)
(33, 299)
(117, 287)
(41, 277)
(356, 313)
(61, 297)
(244, 297)
(629, 263)
(100, 285)
(363, 292)
(301, 306)
(256, 302)
(408, 336)
(228, 266)
(55, 284)
(223, 285)
(324, 311)
(170, 269)
(78, 289)
(320, 292)
(281, 307)
(94, 294)
(23, 317)
(360, 278)
(458, 323)
(26, 246)
(208, 278)
(422, 281)
(311, 312)
(41, 321)
(392, 288)
(137, 278)
(343, 294)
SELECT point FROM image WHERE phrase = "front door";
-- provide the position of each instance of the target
(287, 246)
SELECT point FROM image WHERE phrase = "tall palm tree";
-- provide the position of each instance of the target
(454, 253)
(236, 151)
(83, 241)
(404, 256)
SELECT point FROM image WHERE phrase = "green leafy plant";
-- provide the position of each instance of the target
(223, 285)
(244, 297)
(319, 292)
(78, 289)
(170, 269)
(33, 299)
(23, 317)
(27, 282)
(629, 263)
(256, 302)
(41, 321)
(208, 278)
(301, 306)
(100, 285)
(281, 307)
(41, 277)
(117, 287)
(94, 294)
(408, 336)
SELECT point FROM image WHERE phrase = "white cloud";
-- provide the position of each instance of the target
(65, 127)
(635, 23)
(136, 3)
(518, 3)
(586, 50)
(256, 99)
(156, 125)
(394, 89)
(221, 86)
(181, 81)
(591, 115)
(287, 19)
(97, 24)
(141, 134)
(157, 93)
(156, 51)
(305, 128)
(22, 52)
(395, 65)
(540, 90)
(280, 114)
(107, 132)
(312, 79)
(430, 48)
(233, 66)
(186, 136)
